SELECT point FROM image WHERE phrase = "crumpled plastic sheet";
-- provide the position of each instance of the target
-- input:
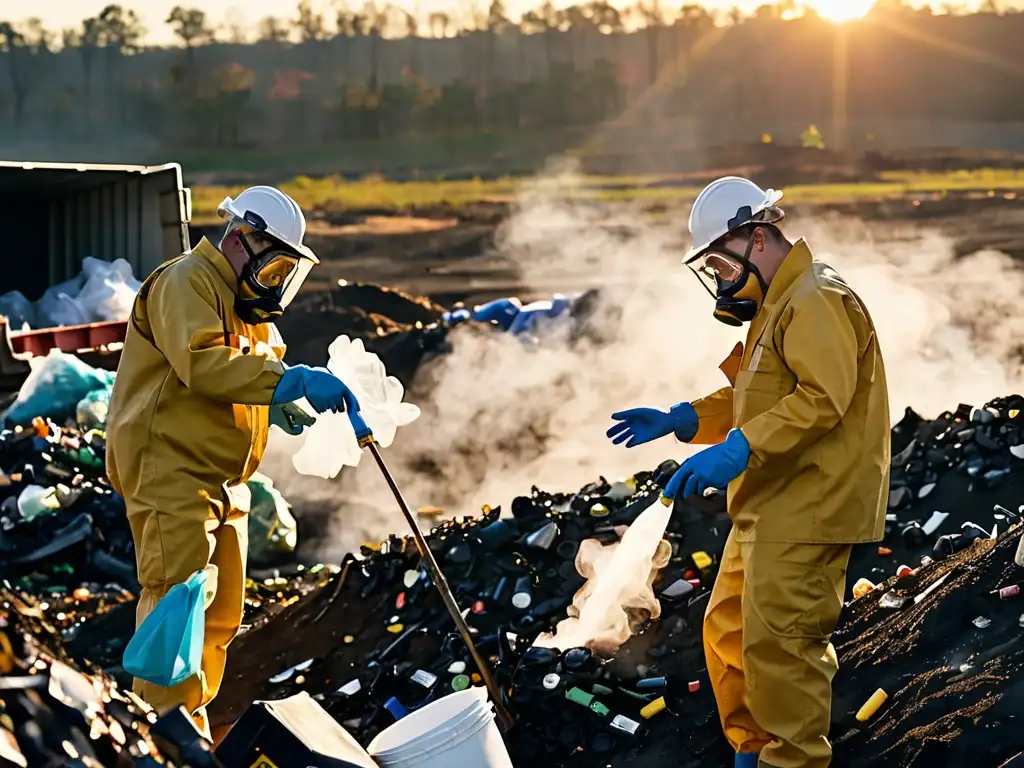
(330, 444)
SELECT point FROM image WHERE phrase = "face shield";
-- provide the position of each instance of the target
(272, 275)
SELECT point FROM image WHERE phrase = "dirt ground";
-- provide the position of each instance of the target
(446, 253)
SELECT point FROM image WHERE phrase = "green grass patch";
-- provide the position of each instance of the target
(335, 193)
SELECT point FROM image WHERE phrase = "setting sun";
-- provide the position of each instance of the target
(841, 10)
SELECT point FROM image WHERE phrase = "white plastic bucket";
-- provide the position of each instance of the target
(456, 730)
(470, 716)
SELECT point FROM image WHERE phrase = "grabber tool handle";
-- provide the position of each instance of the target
(504, 716)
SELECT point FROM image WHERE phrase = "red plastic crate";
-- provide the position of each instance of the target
(69, 338)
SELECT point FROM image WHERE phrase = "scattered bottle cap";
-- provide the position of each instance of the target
(460, 682)
(926, 560)
(861, 588)
(349, 639)
(693, 686)
(933, 522)
(913, 535)
(479, 606)
(884, 551)
(981, 622)
(702, 560)
(409, 578)
(870, 707)
(400, 601)
(457, 667)
(475, 678)
(904, 570)
(599, 510)
(396, 629)
(567, 550)
(653, 708)
(552, 681)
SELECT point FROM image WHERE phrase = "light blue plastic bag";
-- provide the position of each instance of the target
(55, 386)
(167, 649)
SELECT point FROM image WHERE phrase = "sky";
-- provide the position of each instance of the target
(58, 14)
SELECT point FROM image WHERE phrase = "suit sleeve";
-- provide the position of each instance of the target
(185, 319)
(819, 346)
(714, 414)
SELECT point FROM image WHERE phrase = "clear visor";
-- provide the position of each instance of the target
(712, 267)
(279, 271)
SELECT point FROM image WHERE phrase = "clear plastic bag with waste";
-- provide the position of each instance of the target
(17, 309)
(91, 411)
(109, 290)
(331, 444)
(54, 387)
(57, 309)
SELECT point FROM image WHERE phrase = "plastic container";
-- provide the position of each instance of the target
(456, 730)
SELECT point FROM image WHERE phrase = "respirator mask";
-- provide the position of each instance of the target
(271, 276)
(731, 278)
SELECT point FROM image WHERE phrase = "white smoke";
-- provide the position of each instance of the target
(499, 418)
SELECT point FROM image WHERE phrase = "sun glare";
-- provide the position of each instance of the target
(839, 11)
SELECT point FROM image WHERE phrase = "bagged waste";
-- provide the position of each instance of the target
(109, 289)
(273, 530)
(330, 443)
(17, 309)
(167, 648)
(55, 386)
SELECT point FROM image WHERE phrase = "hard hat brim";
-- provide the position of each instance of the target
(228, 210)
(772, 196)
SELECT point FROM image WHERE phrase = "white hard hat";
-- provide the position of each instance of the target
(276, 214)
(724, 205)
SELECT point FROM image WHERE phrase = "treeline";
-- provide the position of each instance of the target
(380, 72)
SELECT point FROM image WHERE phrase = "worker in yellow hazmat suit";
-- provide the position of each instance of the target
(800, 437)
(200, 380)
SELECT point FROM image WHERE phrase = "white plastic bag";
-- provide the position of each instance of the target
(57, 309)
(331, 444)
(17, 309)
(109, 290)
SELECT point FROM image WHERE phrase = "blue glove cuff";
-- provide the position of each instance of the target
(738, 446)
(684, 421)
(291, 387)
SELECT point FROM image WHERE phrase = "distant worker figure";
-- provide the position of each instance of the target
(200, 381)
(800, 438)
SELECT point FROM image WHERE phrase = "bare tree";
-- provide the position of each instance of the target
(310, 23)
(272, 30)
(439, 23)
(191, 27)
(547, 21)
(654, 21)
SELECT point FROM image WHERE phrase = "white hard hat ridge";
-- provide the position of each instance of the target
(718, 204)
(283, 216)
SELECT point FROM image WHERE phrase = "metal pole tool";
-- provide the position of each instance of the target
(366, 440)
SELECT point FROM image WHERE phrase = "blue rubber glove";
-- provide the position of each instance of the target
(642, 425)
(714, 467)
(323, 390)
(455, 317)
(501, 312)
(526, 320)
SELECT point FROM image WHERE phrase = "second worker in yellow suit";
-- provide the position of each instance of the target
(800, 438)
(200, 380)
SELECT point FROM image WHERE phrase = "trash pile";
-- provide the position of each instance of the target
(103, 291)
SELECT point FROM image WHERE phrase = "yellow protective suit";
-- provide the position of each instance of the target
(808, 391)
(187, 427)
